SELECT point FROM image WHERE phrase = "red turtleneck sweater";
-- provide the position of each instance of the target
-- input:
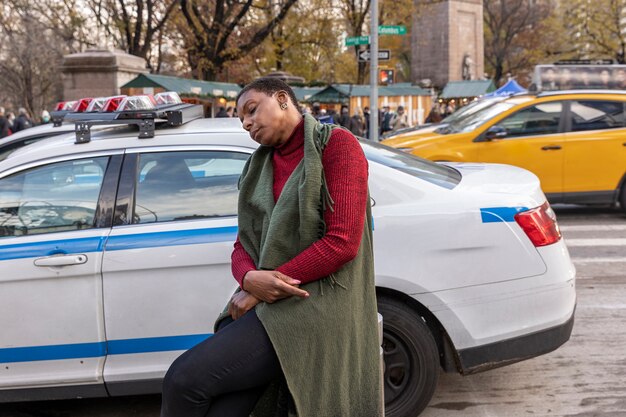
(345, 168)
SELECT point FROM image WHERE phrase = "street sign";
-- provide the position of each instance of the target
(391, 30)
(383, 55)
(358, 40)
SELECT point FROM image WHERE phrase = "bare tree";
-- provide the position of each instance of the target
(355, 12)
(30, 54)
(511, 30)
(222, 31)
(67, 20)
(133, 25)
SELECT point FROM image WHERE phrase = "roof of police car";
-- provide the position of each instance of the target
(195, 132)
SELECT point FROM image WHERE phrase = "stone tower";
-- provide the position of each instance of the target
(447, 41)
(98, 73)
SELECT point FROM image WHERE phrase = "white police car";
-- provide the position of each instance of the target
(115, 257)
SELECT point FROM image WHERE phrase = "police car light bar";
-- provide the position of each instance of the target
(146, 120)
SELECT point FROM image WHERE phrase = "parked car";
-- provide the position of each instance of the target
(574, 141)
(115, 258)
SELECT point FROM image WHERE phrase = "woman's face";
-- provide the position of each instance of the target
(262, 116)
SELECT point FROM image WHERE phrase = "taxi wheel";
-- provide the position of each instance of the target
(411, 359)
(622, 198)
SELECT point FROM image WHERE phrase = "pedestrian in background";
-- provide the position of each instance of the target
(304, 316)
(45, 117)
(221, 112)
(434, 116)
(11, 120)
(22, 121)
(399, 120)
(356, 124)
(366, 117)
(344, 117)
(385, 120)
(230, 111)
(4, 124)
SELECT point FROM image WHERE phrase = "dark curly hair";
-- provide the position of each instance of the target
(270, 86)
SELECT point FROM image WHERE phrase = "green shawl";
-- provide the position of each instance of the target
(327, 344)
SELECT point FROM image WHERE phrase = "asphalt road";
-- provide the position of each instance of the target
(585, 378)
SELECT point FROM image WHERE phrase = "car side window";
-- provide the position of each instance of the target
(175, 186)
(596, 115)
(540, 119)
(58, 197)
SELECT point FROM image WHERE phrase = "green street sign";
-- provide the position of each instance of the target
(358, 40)
(392, 30)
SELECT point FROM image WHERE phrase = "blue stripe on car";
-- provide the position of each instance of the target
(500, 214)
(99, 349)
(135, 241)
(154, 344)
(172, 238)
(54, 352)
(52, 247)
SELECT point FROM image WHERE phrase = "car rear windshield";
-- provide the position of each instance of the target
(440, 175)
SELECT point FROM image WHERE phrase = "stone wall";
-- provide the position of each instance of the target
(97, 73)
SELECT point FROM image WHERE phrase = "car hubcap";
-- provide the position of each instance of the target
(397, 366)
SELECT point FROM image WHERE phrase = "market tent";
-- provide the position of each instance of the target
(467, 89)
(184, 86)
(511, 87)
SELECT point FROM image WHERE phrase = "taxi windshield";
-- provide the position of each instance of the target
(475, 120)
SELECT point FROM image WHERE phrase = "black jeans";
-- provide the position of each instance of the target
(223, 376)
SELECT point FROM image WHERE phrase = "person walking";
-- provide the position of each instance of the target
(355, 125)
(303, 319)
(399, 120)
(385, 120)
(22, 121)
(366, 117)
(344, 117)
(4, 124)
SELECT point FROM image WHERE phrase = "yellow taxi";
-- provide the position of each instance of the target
(574, 141)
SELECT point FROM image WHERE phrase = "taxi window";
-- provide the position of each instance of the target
(540, 119)
(437, 174)
(173, 186)
(596, 115)
(475, 120)
(57, 197)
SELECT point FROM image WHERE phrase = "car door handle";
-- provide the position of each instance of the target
(61, 260)
(550, 148)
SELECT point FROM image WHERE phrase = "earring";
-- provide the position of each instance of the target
(283, 106)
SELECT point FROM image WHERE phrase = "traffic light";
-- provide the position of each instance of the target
(386, 76)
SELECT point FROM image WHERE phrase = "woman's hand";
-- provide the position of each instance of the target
(241, 303)
(271, 286)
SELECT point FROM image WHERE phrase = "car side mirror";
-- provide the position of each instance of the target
(495, 132)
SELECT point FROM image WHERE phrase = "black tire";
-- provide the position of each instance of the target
(622, 198)
(411, 359)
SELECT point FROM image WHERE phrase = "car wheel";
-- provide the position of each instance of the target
(411, 359)
(622, 198)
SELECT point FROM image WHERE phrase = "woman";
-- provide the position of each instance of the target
(300, 337)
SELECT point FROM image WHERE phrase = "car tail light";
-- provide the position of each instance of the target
(540, 225)
(167, 97)
(59, 106)
(145, 102)
(82, 105)
(112, 103)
